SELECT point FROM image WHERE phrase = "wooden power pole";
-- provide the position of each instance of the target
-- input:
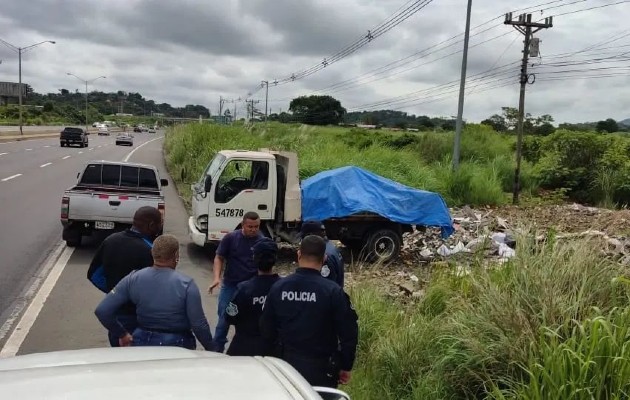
(524, 25)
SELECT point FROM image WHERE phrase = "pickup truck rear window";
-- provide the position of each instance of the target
(119, 176)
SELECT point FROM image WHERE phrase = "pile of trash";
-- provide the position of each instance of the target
(492, 232)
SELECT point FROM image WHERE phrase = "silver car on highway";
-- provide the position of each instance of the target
(124, 139)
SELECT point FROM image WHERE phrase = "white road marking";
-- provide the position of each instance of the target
(1, 154)
(11, 177)
(28, 149)
(66, 157)
(56, 264)
(139, 147)
(91, 149)
(46, 146)
(45, 165)
(80, 152)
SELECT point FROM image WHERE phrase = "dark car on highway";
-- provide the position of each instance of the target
(71, 135)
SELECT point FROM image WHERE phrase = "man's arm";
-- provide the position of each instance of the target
(106, 310)
(219, 261)
(347, 328)
(196, 317)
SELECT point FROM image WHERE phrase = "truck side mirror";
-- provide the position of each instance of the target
(207, 184)
(164, 182)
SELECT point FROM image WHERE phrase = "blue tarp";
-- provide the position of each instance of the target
(349, 190)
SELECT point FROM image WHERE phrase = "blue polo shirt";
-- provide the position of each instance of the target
(237, 251)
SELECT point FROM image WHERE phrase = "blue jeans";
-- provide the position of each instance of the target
(221, 332)
(128, 321)
(150, 338)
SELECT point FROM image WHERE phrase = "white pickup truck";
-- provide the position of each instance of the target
(364, 211)
(106, 197)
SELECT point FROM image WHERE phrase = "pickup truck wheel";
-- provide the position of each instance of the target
(74, 241)
(383, 245)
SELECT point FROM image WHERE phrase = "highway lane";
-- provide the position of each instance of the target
(31, 185)
(67, 321)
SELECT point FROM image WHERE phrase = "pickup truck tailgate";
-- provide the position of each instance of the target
(100, 206)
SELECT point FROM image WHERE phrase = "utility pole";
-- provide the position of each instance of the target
(266, 83)
(526, 27)
(462, 89)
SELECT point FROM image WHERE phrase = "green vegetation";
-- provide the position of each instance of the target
(419, 160)
(553, 323)
(587, 167)
(67, 107)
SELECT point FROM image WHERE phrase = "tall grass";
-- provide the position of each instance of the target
(550, 324)
(418, 160)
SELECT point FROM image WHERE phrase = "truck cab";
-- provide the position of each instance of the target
(238, 181)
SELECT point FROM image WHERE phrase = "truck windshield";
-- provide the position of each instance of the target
(213, 167)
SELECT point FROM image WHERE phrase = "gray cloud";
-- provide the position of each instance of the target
(194, 51)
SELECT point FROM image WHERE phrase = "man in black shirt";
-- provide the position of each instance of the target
(123, 252)
(246, 306)
(312, 320)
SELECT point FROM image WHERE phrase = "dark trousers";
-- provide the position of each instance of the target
(142, 337)
(129, 322)
(316, 371)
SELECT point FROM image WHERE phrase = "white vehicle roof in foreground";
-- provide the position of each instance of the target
(149, 373)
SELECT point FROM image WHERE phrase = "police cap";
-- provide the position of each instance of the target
(312, 228)
(265, 245)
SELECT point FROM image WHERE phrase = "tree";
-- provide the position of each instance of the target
(610, 126)
(48, 107)
(497, 123)
(317, 110)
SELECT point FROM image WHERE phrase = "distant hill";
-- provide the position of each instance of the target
(625, 122)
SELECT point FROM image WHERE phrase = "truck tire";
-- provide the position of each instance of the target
(74, 241)
(383, 245)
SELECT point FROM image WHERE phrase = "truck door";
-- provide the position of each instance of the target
(244, 185)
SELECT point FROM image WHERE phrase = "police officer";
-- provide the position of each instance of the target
(311, 320)
(246, 306)
(333, 267)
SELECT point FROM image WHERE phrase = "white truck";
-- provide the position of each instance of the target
(268, 182)
(106, 197)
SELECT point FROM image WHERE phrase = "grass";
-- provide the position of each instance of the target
(551, 324)
(420, 160)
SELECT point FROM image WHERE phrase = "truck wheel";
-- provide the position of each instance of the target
(383, 245)
(74, 241)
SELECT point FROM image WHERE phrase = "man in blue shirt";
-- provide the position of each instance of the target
(236, 255)
(168, 304)
(333, 267)
(246, 306)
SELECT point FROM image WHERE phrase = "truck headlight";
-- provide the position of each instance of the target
(202, 223)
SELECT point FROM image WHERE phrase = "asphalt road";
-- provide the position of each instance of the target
(33, 176)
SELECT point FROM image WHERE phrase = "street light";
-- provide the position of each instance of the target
(86, 95)
(21, 50)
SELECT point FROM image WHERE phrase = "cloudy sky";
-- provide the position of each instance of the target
(193, 51)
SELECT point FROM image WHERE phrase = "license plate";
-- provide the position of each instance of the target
(104, 225)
